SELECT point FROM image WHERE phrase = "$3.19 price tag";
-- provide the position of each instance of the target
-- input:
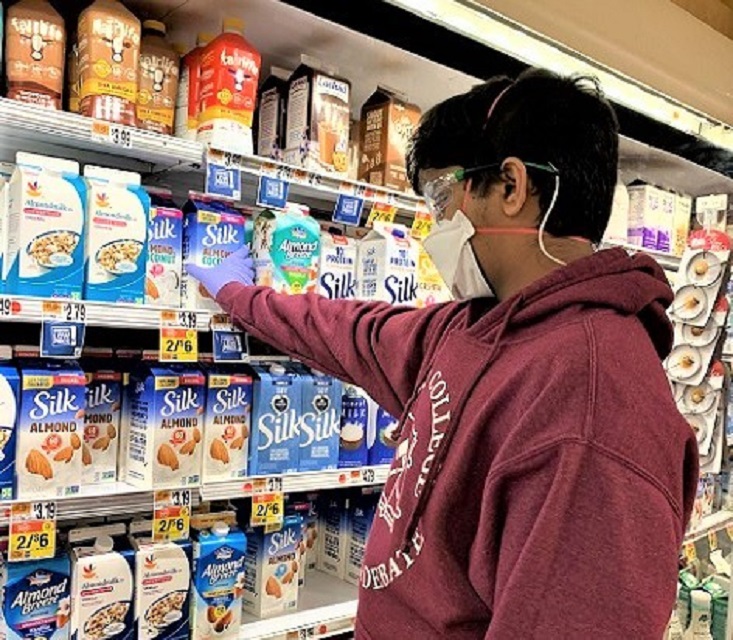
(179, 338)
(32, 531)
(172, 515)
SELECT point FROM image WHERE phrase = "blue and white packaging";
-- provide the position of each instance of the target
(277, 405)
(271, 569)
(337, 272)
(218, 582)
(101, 423)
(382, 430)
(355, 420)
(6, 172)
(320, 421)
(9, 412)
(37, 599)
(361, 516)
(45, 228)
(334, 538)
(165, 251)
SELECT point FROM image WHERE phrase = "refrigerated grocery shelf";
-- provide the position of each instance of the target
(326, 607)
(665, 260)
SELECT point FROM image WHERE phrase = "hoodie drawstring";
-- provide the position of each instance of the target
(442, 452)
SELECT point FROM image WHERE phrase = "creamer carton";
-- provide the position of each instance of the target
(218, 582)
(275, 443)
(682, 220)
(271, 569)
(101, 425)
(355, 420)
(9, 413)
(337, 271)
(382, 438)
(102, 584)
(116, 236)
(286, 249)
(50, 430)
(320, 421)
(361, 516)
(165, 251)
(227, 425)
(166, 428)
(387, 269)
(211, 232)
(45, 235)
(334, 536)
(431, 288)
(37, 599)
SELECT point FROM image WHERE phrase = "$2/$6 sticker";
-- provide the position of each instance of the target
(32, 531)
(172, 515)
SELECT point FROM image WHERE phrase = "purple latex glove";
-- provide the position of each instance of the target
(238, 267)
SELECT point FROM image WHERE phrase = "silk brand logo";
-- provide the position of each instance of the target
(53, 403)
(220, 234)
(179, 401)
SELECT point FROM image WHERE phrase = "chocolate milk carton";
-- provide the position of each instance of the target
(271, 114)
(337, 273)
(320, 421)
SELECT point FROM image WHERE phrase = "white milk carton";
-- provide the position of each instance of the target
(361, 516)
(45, 232)
(337, 273)
(665, 235)
(387, 268)
(333, 541)
(617, 230)
(50, 430)
(101, 425)
(6, 172)
(102, 583)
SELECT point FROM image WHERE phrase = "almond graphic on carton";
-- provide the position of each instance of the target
(188, 448)
(64, 455)
(211, 614)
(237, 443)
(151, 289)
(288, 578)
(245, 431)
(80, 414)
(101, 444)
(218, 451)
(294, 566)
(196, 435)
(115, 407)
(224, 622)
(111, 431)
(167, 457)
(75, 441)
(38, 464)
(86, 456)
(273, 588)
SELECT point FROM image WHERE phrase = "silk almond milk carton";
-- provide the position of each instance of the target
(101, 425)
(165, 251)
(337, 273)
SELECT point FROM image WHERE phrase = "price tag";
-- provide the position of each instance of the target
(32, 531)
(172, 515)
(223, 181)
(367, 475)
(348, 209)
(422, 224)
(713, 540)
(230, 344)
(9, 308)
(112, 133)
(272, 192)
(690, 552)
(729, 531)
(267, 509)
(63, 329)
(270, 484)
(381, 212)
(304, 634)
(179, 338)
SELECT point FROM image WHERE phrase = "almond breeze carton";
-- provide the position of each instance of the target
(212, 230)
(165, 251)
(320, 421)
(387, 268)
(9, 413)
(337, 272)
(355, 421)
(116, 236)
(45, 228)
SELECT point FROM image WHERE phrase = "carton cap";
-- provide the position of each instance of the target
(233, 25)
(220, 529)
(154, 25)
(203, 38)
(277, 369)
(104, 544)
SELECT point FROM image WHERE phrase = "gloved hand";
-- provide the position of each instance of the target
(237, 267)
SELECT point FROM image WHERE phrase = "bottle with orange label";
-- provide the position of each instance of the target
(109, 53)
(156, 96)
(35, 46)
(187, 105)
(230, 70)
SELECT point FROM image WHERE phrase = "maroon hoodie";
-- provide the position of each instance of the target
(543, 477)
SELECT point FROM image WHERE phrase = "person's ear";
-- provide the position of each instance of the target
(516, 186)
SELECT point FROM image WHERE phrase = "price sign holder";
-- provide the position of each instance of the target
(230, 344)
(223, 175)
(63, 329)
(422, 223)
(172, 515)
(179, 338)
(115, 134)
(381, 212)
(10, 308)
(267, 502)
(272, 192)
(348, 209)
(32, 531)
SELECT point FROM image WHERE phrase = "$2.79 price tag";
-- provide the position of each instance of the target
(172, 515)
(179, 338)
(32, 531)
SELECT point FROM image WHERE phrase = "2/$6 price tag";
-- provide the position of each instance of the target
(381, 212)
(172, 515)
(115, 134)
(267, 502)
(32, 531)
(63, 329)
(179, 338)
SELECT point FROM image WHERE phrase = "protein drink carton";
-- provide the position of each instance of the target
(382, 442)
(9, 413)
(271, 114)
(218, 582)
(387, 123)
(46, 204)
(187, 104)
(50, 430)
(286, 248)
(361, 515)
(271, 569)
(166, 428)
(277, 405)
(387, 268)
(337, 273)
(212, 230)
(102, 583)
(36, 599)
(165, 251)
(320, 421)
(334, 535)
(227, 425)
(355, 419)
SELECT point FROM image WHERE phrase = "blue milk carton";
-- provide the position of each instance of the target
(9, 412)
(361, 516)
(275, 441)
(382, 430)
(320, 421)
(218, 582)
(334, 530)
(355, 419)
(165, 250)
(37, 599)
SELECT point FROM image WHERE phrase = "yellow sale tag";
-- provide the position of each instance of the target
(381, 212)
(179, 338)
(713, 540)
(267, 509)
(172, 515)
(690, 552)
(422, 224)
(729, 531)
(32, 531)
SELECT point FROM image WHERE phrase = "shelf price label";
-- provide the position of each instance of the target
(172, 515)
(179, 338)
(10, 308)
(272, 192)
(32, 531)
(381, 212)
(223, 175)
(267, 509)
(712, 540)
(115, 134)
(690, 552)
(63, 329)
(348, 209)
(422, 224)
(230, 344)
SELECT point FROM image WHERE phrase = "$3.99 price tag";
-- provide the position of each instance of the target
(112, 133)
(172, 515)
(32, 531)
(179, 338)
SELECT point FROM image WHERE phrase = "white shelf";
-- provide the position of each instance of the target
(327, 606)
(665, 260)
(713, 522)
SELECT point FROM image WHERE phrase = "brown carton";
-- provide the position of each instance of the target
(387, 123)
(156, 97)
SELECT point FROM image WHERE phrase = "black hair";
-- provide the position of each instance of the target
(542, 118)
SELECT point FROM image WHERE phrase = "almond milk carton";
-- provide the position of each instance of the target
(101, 424)
(50, 430)
(387, 268)
(337, 273)
(165, 251)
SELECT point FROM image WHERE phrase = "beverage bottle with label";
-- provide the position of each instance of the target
(187, 104)
(230, 70)
(35, 51)
(158, 90)
(700, 616)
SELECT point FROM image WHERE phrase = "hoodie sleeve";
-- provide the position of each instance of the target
(377, 346)
(587, 548)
